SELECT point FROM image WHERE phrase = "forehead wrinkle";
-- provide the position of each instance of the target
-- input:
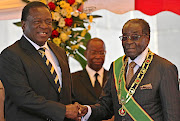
(129, 31)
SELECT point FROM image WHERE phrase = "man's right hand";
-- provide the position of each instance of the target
(72, 110)
(83, 110)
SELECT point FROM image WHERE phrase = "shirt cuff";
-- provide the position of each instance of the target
(88, 114)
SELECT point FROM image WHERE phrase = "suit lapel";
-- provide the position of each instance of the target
(36, 57)
(104, 77)
(85, 80)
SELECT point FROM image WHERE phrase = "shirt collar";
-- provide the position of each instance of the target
(36, 45)
(139, 59)
(92, 72)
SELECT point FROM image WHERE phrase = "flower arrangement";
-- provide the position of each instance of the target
(70, 26)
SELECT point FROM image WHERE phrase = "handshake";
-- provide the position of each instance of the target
(75, 111)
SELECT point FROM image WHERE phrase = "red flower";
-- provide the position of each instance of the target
(69, 21)
(52, 6)
(54, 34)
(80, 8)
(71, 1)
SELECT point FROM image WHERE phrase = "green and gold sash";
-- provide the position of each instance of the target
(125, 96)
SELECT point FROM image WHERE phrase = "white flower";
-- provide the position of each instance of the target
(76, 14)
(55, 16)
(63, 12)
(61, 22)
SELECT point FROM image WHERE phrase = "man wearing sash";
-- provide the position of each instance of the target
(146, 91)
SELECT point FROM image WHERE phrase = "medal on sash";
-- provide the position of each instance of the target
(122, 111)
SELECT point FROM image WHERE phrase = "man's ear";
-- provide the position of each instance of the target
(23, 25)
(105, 52)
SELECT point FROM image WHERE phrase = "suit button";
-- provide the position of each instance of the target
(123, 119)
(48, 119)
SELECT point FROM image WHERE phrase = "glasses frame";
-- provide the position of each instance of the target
(101, 53)
(130, 37)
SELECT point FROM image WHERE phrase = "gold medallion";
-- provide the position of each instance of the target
(122, 112)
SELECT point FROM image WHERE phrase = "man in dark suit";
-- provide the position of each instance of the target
(141, 85)
(33, 92)
(84, 82)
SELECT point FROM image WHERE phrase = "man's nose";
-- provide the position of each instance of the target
(43, 24)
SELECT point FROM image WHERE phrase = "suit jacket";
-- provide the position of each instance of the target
(82, 89)
(162, 102)
(31, 94)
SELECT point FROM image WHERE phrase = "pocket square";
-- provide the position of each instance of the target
(146, 86)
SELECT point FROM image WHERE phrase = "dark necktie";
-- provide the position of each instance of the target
(130, 72)
(97, 86)
(51, 68)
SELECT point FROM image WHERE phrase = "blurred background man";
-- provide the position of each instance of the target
(87, 84)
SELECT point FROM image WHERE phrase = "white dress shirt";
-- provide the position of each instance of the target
(50, 56)
(91, 74)
(138, 60)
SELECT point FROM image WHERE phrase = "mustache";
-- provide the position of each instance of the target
(126, 48)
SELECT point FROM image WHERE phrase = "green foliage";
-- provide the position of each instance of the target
(17, 24)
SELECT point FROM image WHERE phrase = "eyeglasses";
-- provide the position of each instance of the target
(102, 53)
(132, 37)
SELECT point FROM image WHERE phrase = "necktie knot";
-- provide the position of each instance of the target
(132, 65)
(96, 75)
(42, 51)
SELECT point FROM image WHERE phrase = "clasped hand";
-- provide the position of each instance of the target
(75, 111)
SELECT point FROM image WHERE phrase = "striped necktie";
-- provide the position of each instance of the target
(51, 68)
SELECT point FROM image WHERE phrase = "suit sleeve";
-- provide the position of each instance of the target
(104, 108)
(15, 80)
(169, 93)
